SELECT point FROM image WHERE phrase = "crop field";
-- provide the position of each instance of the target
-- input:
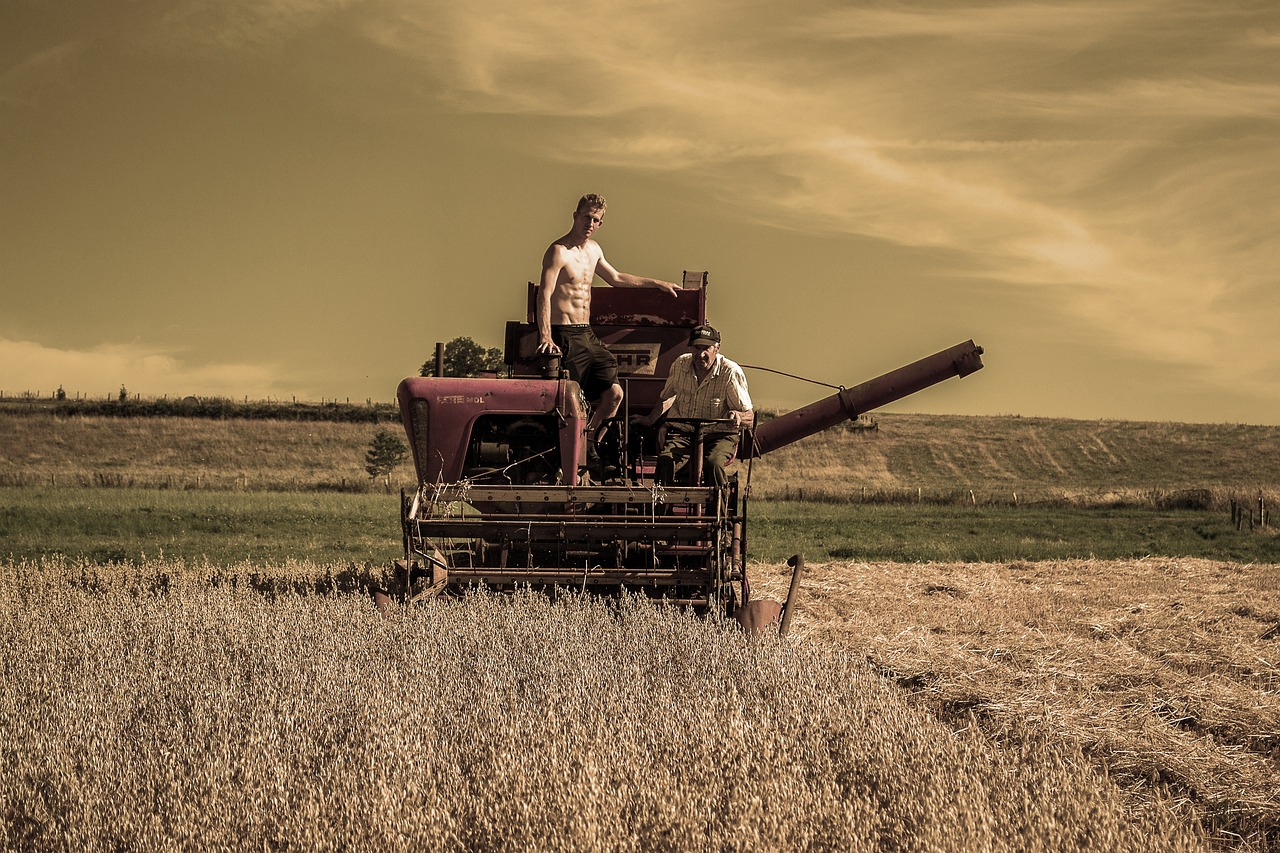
(1082, 705)
(166, 705)
(192, 659)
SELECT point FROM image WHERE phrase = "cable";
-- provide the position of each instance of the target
(792, 376)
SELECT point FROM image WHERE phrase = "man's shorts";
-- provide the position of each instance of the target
(590, 364)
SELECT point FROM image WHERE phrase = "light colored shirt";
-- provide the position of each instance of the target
(723, 390)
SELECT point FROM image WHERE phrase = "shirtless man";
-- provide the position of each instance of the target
(564, 309)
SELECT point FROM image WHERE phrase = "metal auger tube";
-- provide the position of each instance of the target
(847, 404)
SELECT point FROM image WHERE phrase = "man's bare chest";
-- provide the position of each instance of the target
(579, 267)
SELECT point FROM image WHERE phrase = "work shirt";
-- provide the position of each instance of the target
(723, 390)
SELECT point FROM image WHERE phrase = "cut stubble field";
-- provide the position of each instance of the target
(1166, 672)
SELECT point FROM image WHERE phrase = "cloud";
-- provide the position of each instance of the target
(233, 25)
(1097, 152)
(1063, 23)
(24, 82)
(101, 370)
(1193, 99)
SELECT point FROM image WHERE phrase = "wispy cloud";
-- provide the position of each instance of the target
(1197, 99)
(1066, 23)
(102, 370)
(233, 24)
(24, 81)
(1079, 148)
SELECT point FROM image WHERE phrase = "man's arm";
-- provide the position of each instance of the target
(552, 264)
(622, 279)
(660, 408)
(739, 400)
(667, 396)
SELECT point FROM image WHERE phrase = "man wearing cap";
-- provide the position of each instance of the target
(563, 310)
(702, 385)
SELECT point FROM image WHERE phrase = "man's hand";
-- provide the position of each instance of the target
(668, 287)
(548, 348)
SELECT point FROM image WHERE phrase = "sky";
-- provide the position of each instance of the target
(298, 198)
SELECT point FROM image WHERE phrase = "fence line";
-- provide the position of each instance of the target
(1239, 511)
(1207, 499)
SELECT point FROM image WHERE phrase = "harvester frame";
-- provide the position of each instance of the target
(505, 498)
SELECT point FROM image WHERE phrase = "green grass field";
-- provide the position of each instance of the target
(226, 527)
(103, 525)
(949, 533)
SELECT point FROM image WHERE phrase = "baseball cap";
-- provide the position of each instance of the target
(703, 335)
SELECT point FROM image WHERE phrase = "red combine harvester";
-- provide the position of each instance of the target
(504, 498)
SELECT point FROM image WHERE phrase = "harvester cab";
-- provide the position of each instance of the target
(505, 498)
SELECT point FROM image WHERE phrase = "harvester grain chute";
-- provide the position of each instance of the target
(504, 498)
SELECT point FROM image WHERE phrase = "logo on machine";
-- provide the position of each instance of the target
(636, 359)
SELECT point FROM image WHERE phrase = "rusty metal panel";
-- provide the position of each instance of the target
(566, 575)
(560, 529)
(450, 407)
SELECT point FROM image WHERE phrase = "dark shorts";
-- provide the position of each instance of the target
(590, 364)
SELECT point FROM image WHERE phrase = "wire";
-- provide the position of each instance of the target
(792, 376)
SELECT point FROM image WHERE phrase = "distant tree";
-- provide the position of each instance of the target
(60, 394)
(124, 394)
(385, 452)
(465, 357)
